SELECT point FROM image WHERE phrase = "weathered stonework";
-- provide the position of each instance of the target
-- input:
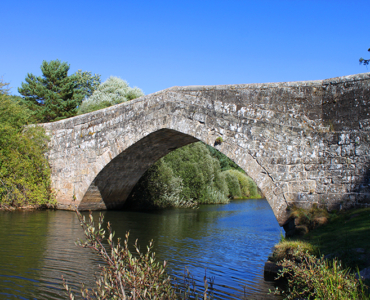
(301, 142)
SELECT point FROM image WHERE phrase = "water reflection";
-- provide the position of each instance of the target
(232, 241)
(37, 248)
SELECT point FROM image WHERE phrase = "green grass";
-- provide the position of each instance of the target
(346, 236)
(341, 247)
(291, 248)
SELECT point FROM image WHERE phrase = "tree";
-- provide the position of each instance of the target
(364, 61)
(113, 91)
(4, 89)
(55, 95)
(87, 83)
(24, 170)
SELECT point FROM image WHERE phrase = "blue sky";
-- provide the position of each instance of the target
(158, 44)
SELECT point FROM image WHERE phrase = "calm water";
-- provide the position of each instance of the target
(232, 241)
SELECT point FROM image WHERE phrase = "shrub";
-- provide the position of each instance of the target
(24, 170)
(310, 277)
(189, 176)
(219, 141)
(225, 162)
(158, 188)
(127, 275)
(200, 173)
(233, 185)
(247, 186)
(113, 91)
(185, 177)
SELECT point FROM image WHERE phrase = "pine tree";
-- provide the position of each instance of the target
(55, 95)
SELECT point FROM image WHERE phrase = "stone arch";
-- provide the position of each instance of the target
(301, 142)
(113, 184)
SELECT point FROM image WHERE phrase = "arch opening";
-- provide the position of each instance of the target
(114, 183)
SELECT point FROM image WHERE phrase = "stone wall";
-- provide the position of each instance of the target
(301, 142)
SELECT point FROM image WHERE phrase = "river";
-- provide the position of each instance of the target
(231, 241)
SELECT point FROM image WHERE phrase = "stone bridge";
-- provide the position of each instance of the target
(301, 142)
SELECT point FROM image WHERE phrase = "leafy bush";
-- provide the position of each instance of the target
(113, 91)
(24, 170)
(219, 141)
(183, 178)
(189, 176)
(127, 275)
(225, 162)
(310, 277)
(233, 185)
(158, 188)
(247, 185)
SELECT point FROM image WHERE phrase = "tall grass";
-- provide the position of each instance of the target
(337, 235)
(309, 277)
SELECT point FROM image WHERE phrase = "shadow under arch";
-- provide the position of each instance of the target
(114, 183)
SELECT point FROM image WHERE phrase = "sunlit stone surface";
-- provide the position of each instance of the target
(301, 142)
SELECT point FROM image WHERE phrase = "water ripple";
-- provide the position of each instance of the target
(228, 242)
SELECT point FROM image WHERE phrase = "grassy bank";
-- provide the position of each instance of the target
(321, 260)
(346, 236)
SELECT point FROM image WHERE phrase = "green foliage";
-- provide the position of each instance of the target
(225, 162)
(55, 95)
(24, 170)
(200, 173)
(364, 61)
(343, 234)
(158, 187)
(219, 141)
(289, 249)
(233, 185)
(4, 87)
(247, 185)
(86, 83)
(310, 277)
(127, 275)
(113, 91)
(183, 178)
(189, 176)
(13, 112)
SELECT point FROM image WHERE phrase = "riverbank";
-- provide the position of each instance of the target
(4, 207)
(341, 240)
